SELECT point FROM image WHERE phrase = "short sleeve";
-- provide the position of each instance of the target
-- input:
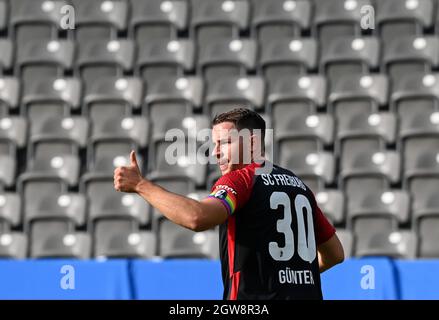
(324, 229)
(233, 189)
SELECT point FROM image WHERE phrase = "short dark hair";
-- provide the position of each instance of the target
(242, 118)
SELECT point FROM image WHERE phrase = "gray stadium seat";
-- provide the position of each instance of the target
(354, 94)
(101, 19)
(158, 19)
(280, 57)
(410, 54)
(399, 244)
(7, 50)
(8, 169)
(121, 239)
(13, 245)
(48, 97)
(428, 237)
(170, 92)
(350, 55)
(105, 58)
(425, 202)
(347, 241)
(162, 57)
(227, 93)
(106, 203)
(212, 19)
(39, 19)
(48, 57)
(13, 134)
(296, 95)
(69, 207)
(316, 169)
(9, 94)
(393, 204)
(58, 135)
(110, 97)
(223, 57)
(280, 18)
(338, 18)
(178, 242)
(332, 203)
(10, 209)
(56, 239)
(396, 17)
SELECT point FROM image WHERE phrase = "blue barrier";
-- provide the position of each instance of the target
(419, 279)
(369, 278)
(361, 279)
(55, 279)
(177, 279)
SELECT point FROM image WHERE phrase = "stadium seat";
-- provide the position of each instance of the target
(39, 19)
(227, 57)
(69, 207)
(49, 57)
(212, 19)
(165, 119)
(298, 95)
(399, 244)
(428, 237)
(332, 203)
(10, 209)
(347, 241)
(8, 168)
(280, 57)
(227, 93)
(121, 239)
(50, 97)
(173, 93)
(350, 55)
(13, 245)
(393, 204)
(310, 132)
(280, 18)
(61, 167)
(105, 58)
(408, 17)
(410, 54)
(415, 93)
(13, 135)
(370, 163)
(7, 50)
(425, 202)
(56, 239)
(101, 19)
(111, 97)
(58, 135)
(175, 162)
(165, 58)
(10, 89)
(178, 242)
(338, 18)
(158, 19)
(352, 94)
(316, 169)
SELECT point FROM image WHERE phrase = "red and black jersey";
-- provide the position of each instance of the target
(268, 245)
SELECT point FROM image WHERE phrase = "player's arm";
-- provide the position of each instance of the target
(330, 253)
(189, 213)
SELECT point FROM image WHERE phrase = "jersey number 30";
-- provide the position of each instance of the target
(306, 246)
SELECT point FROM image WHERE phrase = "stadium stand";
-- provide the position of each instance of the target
(355, 114)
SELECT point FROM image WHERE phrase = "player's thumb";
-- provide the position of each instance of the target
(134, 160)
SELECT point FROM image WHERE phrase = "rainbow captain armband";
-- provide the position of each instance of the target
(227, 197)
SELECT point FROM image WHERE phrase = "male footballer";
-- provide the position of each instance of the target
(274, 239)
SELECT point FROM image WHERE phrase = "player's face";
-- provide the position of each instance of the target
(228, 149)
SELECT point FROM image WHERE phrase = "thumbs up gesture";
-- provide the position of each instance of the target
(126, 179)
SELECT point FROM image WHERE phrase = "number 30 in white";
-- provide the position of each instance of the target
(306, 246)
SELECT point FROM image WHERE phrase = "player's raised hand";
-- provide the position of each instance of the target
(127, 178)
